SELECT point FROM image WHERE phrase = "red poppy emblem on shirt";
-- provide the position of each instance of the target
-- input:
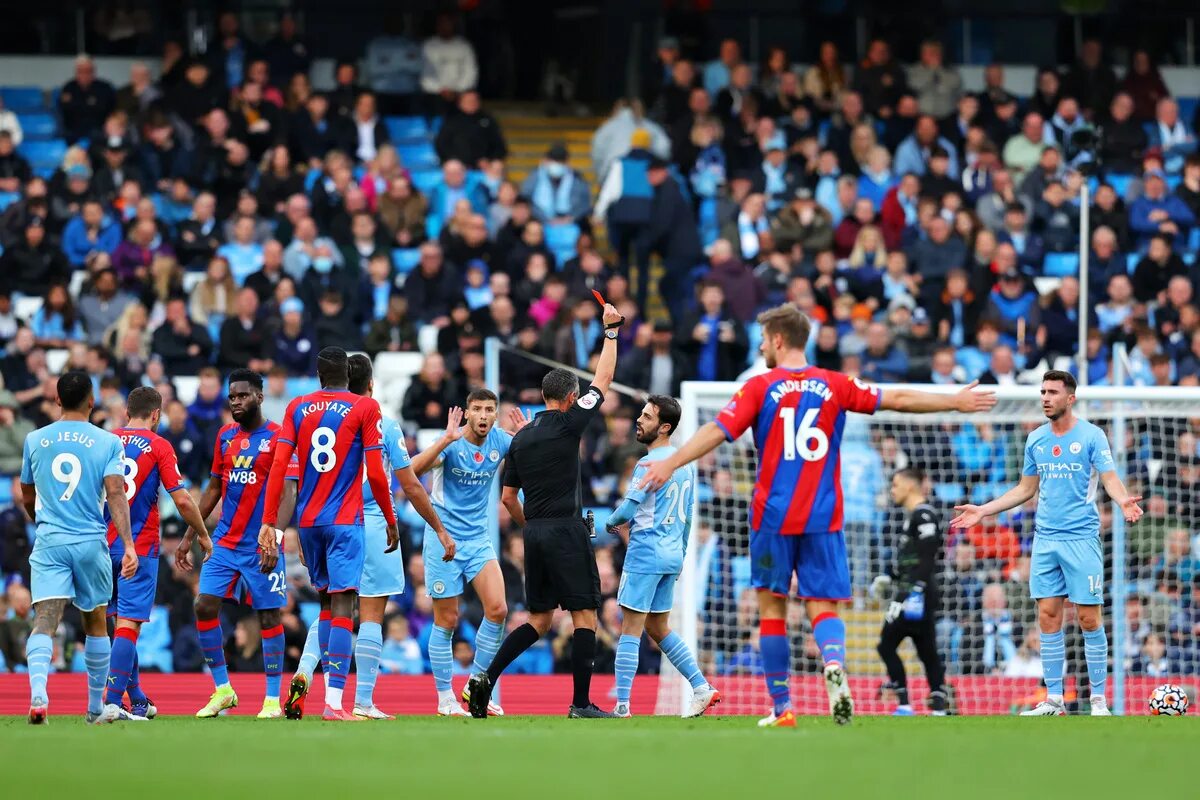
(1056, 451)
(245, 444)
(478, 458)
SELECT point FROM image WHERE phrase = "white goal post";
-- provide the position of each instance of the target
(987, 635)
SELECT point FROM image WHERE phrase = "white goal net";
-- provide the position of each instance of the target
(986, 624)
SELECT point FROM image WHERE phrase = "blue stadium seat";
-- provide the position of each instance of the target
(433, 226)
(754, 338)
(1060, 265)
(562, 241)
(38, 126)
(44, 152)
(1119, 181)
(8, 198)
(1194, 239)
(1131, 261)
(154, 641)
(23, 98)
(420, 155)
(1173, 182)
(1187, 107)
(426, 180)
(405, 259)
(406, 129)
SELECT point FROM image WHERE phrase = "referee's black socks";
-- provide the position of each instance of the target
(583, 658)
(517, 642)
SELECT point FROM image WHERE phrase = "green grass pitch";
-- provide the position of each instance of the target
(536, 757)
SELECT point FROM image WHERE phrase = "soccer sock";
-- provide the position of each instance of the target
(627, 664)
(312, 652)
(680, 656)
(777, 660)
(212, 644)
(272, 645)
(366, 655)
(1095, 651)
(324, 625)
(340, 637)
(1054, 653)
(134, 687)
(96, 651)
(520, 640)
(830, 632)
(121, 664)
(39, 649)
(441, 657)
(487, 642)
(583, 659)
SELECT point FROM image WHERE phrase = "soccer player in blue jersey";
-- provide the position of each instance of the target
(464, 463)
(1062, 461)
(242, 560)
(149, 463)
(659, 526)
(69, 469)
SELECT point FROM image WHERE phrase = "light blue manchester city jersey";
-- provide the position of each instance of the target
(68, 462)
(462, 483)
(1068, 468)
(658, 533)
(395, 456)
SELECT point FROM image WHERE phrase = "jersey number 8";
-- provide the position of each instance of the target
(322, 457)
(809, 441)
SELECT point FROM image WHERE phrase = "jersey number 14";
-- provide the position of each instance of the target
(805, 440)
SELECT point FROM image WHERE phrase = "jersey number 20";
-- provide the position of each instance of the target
(807, 440)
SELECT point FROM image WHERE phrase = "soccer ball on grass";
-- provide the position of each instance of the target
(1168, 700)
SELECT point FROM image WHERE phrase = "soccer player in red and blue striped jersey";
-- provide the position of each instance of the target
(242, 561)
(333, 432)
(797, 413)
(150, 463)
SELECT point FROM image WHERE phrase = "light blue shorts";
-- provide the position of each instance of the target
(448, 579)
(649, 593)
(382, 573)
(1070, 568)
(81, 573)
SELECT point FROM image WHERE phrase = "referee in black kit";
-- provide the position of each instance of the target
(560, 567)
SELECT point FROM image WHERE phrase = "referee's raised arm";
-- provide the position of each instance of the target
(606, 366)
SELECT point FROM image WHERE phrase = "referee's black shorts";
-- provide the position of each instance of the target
(560, 566)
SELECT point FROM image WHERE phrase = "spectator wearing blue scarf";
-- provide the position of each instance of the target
(559, 193)
(90, 231)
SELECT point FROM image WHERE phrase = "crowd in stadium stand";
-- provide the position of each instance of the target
(226, 214)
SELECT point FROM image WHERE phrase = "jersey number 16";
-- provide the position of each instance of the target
(808, 441)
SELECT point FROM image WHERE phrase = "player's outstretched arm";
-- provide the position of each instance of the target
(1120, 495)
(914, 401)
(118, 510)
(187, 509)
(702, 442)
(510, 498)
(428, 458)
(606, 366)
(971, 515)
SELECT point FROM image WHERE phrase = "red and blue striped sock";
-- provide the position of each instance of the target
(340, 651)
(120, 664)
(212, 644)
(324, 622)
(272, 640)
(777, 662)
(134, 689)
(830, 632)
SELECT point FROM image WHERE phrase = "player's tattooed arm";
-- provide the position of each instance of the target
(47, 614)
(118, 510)
(431, 456)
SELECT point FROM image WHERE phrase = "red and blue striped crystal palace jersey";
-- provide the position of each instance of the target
(331, 429)
(242, 460)
(149, 462)
(798, 415)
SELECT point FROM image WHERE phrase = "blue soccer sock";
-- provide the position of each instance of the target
(134, 688)
(777, 661)
(338, 658)
(441, 657)
(680, 656)
(487, 642)
(120, 664)
(311, 657)
(366, 655)
(830, 632)
(1095, 651)
(324, 625)
(272, 644)
(627, 664)
(39, 649)
(1054, 654)
(96, 652)
(212, 644)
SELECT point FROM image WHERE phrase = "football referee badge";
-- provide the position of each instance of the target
(588, 401)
